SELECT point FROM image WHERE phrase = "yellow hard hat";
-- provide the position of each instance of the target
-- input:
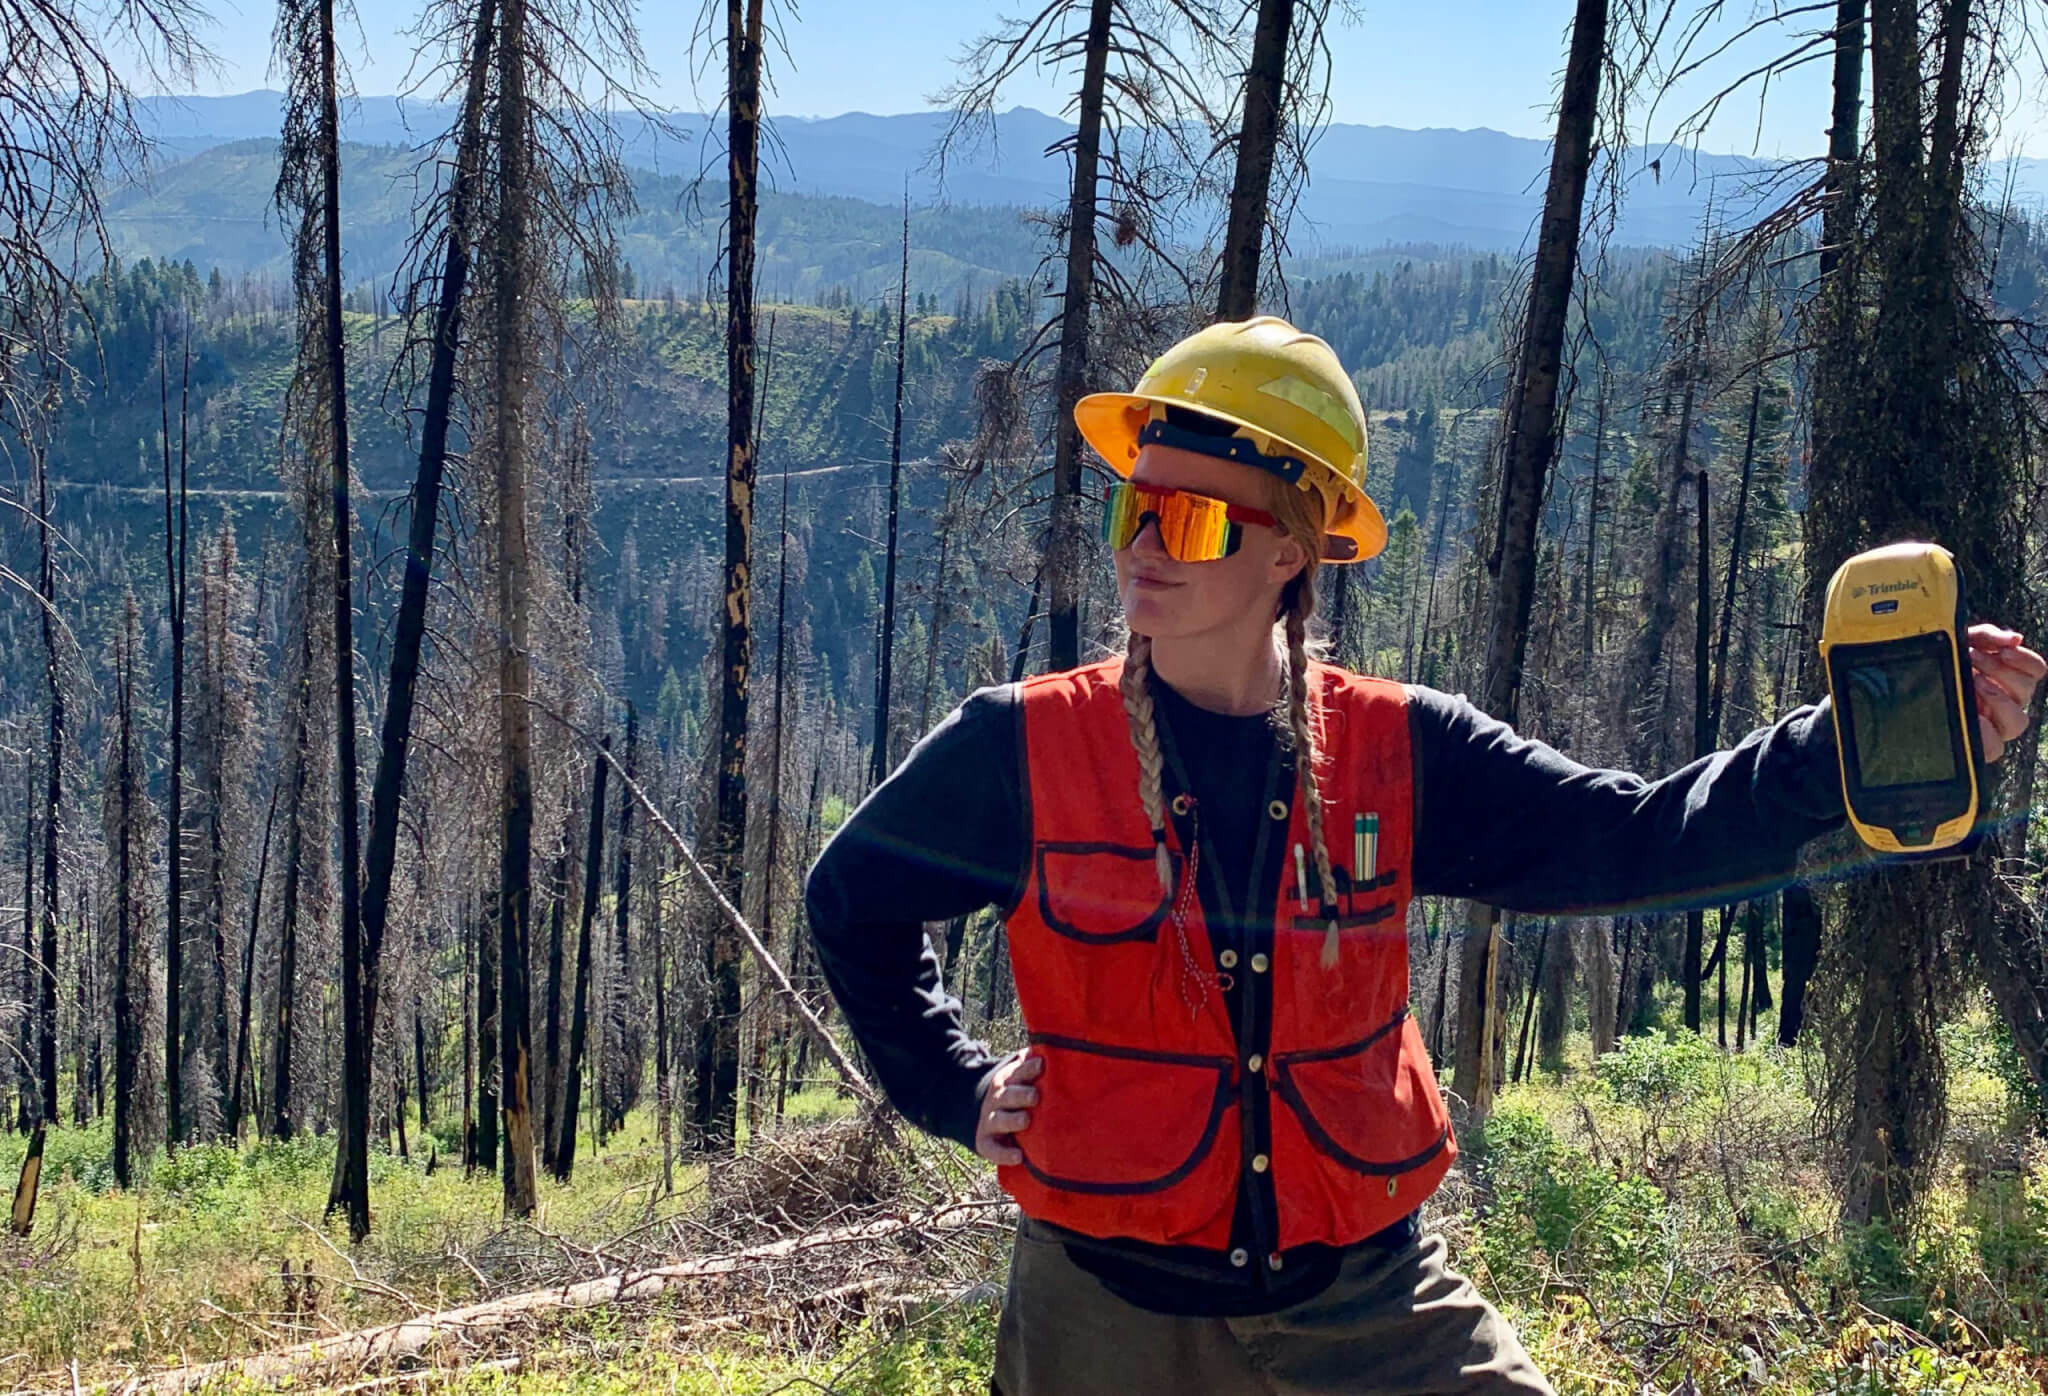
(1288, 404)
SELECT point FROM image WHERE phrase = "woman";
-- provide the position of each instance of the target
(1225, 1120)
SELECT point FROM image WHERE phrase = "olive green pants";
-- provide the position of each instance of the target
(1393, 1323)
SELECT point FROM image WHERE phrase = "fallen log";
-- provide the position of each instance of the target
(424, 1375)
(411, 1339)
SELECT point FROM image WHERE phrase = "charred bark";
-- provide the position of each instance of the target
(1526, 457)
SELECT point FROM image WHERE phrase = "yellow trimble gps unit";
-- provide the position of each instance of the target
(1905, 717)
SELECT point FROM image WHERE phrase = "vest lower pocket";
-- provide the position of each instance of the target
(1120, 1121)
(1371, 1105)
(1101, 893)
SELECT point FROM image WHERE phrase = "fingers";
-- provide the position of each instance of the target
(999, 1151)
(2000, 648)
(1013, 1098)
(2005, 718)
(2005, 674)
(1990, 676)
(2023, 661)
(2018, 671)
(1006, 1110)
(1989, 740)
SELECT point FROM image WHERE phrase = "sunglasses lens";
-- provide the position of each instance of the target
(1192, 527)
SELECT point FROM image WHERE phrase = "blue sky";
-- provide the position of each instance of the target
(1455, 63)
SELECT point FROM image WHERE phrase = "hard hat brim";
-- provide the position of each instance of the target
(1109, 422)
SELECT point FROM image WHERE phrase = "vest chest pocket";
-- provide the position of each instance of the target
(1101, 893)
(1371, 1105)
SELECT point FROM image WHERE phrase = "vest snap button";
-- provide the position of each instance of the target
(1240, 1257)
(1278, 809)
(1259, 964)
(1228, 959)
(1256, 1062)
(1273, 1261)
(1260, 1163)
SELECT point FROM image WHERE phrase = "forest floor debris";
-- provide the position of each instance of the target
(1663, 1223)
(782, 1276)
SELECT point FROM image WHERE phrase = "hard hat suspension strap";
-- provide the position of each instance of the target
(1193, 431)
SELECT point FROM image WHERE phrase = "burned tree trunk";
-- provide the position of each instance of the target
(1527, 451)
(295, 851)
(409, 632)
(174, 853)
(1844, 137)
(127, 1028)
(1702, 730)
(1921, 429)
(53, 775)
(772, 860)
(22, 1059)
(1258, 142)
(878, 759)
(1077, 300)
(309, 184)
(242, 1046)
(579, 1017)
(718, 1040)
(622, 1060)
(515, 647)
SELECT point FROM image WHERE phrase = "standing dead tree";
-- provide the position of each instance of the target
(1141, 145)
(511, 271)
(456, 234)
(547, 187)
(718, 1038)
(623, 1056)
(53, 775)
(563, 1146)
(1924, 426)
(879, 762)
(1285, 96)
(309, 186)
(174, 854)
(123, 812)
(1529, 444)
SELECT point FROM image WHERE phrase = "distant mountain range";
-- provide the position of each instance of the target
(1369, 186)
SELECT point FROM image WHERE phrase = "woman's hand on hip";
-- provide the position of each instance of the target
(1006, 1109)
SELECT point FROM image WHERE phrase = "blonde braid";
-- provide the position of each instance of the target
(1300, 721)
(1137, 692)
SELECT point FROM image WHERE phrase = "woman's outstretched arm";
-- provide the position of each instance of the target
(1517, 824)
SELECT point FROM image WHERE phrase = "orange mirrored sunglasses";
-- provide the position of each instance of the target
(1192, 527)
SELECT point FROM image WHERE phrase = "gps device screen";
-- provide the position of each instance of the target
(1899, 670)
(1900, 714)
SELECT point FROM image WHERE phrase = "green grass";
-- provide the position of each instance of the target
(190, 1265)
(949, 1353)
(1668, 1216)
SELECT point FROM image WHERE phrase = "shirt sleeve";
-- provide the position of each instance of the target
(942, 837)
(1518, 825)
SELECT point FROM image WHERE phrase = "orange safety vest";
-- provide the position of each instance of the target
(1152, 1112)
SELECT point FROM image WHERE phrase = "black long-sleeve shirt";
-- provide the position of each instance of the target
(1497, 818)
